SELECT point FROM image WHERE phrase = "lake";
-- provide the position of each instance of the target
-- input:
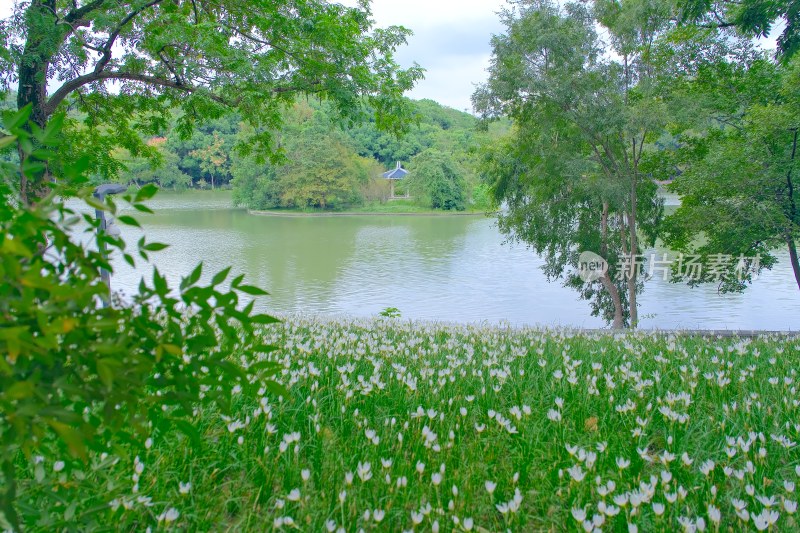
(443, 268)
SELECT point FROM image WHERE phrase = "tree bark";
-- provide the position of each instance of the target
(793, 259)
(634, 252)
(608, 283)
(792, 216)
(606, 280)
(32, 72)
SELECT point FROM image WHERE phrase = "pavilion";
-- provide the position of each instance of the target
(397, 173)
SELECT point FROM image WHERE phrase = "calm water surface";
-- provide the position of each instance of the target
(454, 269)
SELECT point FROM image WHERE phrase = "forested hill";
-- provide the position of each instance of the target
(324, 164)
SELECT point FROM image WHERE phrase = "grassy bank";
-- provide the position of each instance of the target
(395, 426)
(395, 207)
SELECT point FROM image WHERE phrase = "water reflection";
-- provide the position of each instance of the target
(437, 268)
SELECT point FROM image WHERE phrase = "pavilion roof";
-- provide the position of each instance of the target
(397, 173)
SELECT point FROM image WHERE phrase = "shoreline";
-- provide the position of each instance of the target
(270, 213)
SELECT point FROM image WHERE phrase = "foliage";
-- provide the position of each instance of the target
(569, 173)
(436, 177)
(319, 168)
(737, 161)
(162, 170)
(200, 58)
(683, 429)
(212, 157)
(294, 182)
(81, 381)
(752, 17)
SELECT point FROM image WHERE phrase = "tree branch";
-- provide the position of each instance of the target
(101, 64)
(92, 77)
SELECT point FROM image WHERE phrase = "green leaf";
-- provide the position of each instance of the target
(105, 371)
(263, 319)
(277, 389)
(20, 390)
(143, 208)
(220, 276)
(51, 135)
(72, 437)
(252, 290)
(146, 192)
(7, 140)
(155, 246)
(16, 120)
(192, 278)
(189, 430)
(129, 220)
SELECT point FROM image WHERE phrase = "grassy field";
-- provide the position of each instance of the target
(398, 426)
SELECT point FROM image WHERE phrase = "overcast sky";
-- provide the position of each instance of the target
(451, 41)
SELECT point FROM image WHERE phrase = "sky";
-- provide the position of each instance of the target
(451, 41)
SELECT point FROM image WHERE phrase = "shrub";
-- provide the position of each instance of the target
(81, 380)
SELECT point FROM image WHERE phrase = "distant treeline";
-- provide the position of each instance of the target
(321, 164)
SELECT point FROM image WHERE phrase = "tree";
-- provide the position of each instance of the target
(80, 380)
(435, 176)
(127, 64)
(570, 175)
(737, 157)
(163, 170)
(752, 17)
(212, 157)
(319, 167)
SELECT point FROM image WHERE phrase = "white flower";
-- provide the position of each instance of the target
(767, 502)
(490, 486)
(305, 474)
(416, 518)
(790, 506)
(58, 466)
(658, 508)
(184, 488)
(378, 514)
(713, 514)
(576, 473)
(707, 467)
(364, 471)
(148, 443)
(578, 514)
(386, 463)
(765, 519)
(294, 495)
(420, 467)
(342, 496)
(170, 515)
(330, 526)
(436, 478)
(623, 463)
(554, 415)
(467, 523)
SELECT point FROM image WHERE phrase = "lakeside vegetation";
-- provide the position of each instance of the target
(182, 408)
(396, 425)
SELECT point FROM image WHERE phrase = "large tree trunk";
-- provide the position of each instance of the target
(634, 252)
(793, 259)
(792, 216)
(606, 280)
(608, 283)
(32, 70)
